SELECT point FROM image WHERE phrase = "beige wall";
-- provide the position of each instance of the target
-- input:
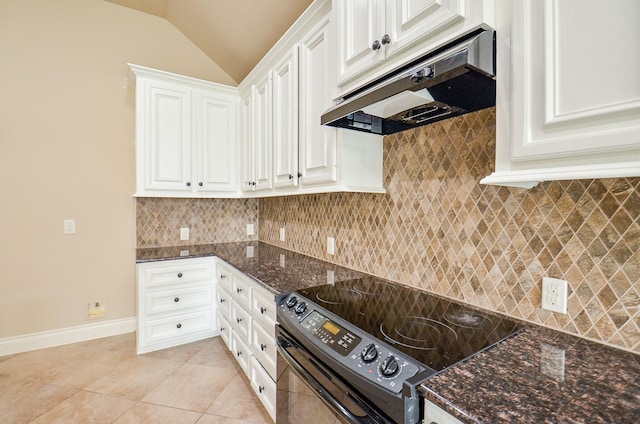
(67, 151)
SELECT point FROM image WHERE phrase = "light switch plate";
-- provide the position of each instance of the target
(184, 233)
(331, 246)
(281, 233)
(249, 229)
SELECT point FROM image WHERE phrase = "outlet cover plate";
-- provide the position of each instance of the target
(554, 295)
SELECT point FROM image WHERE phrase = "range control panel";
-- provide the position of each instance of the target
(340, 341)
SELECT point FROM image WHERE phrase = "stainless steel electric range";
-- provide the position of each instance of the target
(364, 346)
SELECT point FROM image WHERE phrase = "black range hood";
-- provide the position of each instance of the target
(451, 81)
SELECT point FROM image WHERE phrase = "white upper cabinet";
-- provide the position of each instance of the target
(258, 151)
(284, 79)
(568, 97)
(186, 136)
(317, 143)
(376, 36)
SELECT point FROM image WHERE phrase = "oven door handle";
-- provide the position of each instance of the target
(284, 344)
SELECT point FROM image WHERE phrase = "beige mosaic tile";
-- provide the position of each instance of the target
(158, 220)
(438, 229)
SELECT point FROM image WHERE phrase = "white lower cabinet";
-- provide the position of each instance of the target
(246, 320)
(433, 414)
(176, 303)
(264, 387)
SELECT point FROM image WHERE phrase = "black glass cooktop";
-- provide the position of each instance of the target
(430, 329)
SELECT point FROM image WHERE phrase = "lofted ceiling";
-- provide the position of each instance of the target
(234, 34)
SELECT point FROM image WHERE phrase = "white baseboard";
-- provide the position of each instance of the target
(62, 336)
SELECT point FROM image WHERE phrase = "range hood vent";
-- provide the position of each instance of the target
(454, 80)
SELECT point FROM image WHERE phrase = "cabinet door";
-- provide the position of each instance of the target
(262, 143)
(248, 150)
(285, 123)
(167, 136)
(359, 24)
(317, 143)
(216, 142)
(410, 21)
(565, 119)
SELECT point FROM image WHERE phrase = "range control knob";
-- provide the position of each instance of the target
(300, 308)
(389, 367)
(369, 353)
(291, 302)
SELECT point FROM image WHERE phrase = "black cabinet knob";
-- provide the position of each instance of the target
(261, 389)
(299, 174)
(386, 39)
(238, 353)
(188, 184)
(263, 310)
(222, 300)
(179, 325)
(238, 290)
(376, 45)
(238, 320)
(179, 275)
(177, 299)
(200, 184)
(263, 347)
(222, 276)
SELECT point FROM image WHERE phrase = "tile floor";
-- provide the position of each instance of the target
(104, 381)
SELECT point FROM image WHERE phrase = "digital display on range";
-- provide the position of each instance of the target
(330, 333)
(331, 327)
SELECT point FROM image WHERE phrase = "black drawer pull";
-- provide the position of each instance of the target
(261, 389)
(222, 276)
(238, 290)
(179, 275)
(263, 347)
(238, 320)
(263, 310)
(177, 299)
(222, 329)
(179, 325)
(238, 353)
(222, 300)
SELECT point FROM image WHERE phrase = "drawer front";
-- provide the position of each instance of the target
(263, 306)
(435, 414)
(224, 302)
(264, 387)
(178, 300)
(225, 329)
(263, 344)
(241, 351)
(178, 326)
(241, 290)
(224, 275)
(157, 274)
(241, 321)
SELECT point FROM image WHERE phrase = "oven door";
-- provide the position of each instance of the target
(299, 404)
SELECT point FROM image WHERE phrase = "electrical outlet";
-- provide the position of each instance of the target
(281, 260)
(184, 233)
(97, 309)
(282, 238)
(331, 246)
(250, 229)
(331, 277)
(554, 295)
(69, 226)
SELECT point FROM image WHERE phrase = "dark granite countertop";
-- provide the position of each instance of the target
(278, 269)
(541, 376)
(537, 376)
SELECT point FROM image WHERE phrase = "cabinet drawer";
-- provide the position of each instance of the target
(241, 351)
(264, 387)
(263, 344)
(437, 415)
(241, 321)
(224, 275)
(224, 303)
(156, 274)
(178, 326)
(225, 329)
(179, 299)
(263, 306)
(241, 290)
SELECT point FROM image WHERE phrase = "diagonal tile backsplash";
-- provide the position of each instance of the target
(438, 229)
(158, 220)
